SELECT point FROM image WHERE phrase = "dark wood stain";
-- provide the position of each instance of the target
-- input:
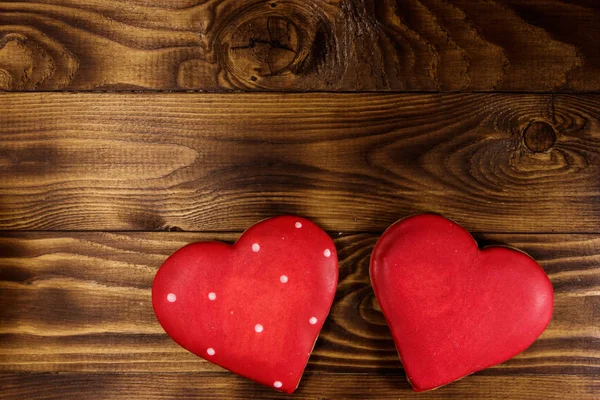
(335, 45)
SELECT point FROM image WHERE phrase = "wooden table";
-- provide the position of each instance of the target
(130, 128)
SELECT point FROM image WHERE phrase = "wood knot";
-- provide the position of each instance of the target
(264, 46)
(273, 45)
(29, 59)
(539, 137)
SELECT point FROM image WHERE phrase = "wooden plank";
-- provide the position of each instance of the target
(411, 45)
(81, 302)
(313, 386)
(350, 162)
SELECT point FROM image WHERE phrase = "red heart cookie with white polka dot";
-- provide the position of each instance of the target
(255, 307)
(452, 308)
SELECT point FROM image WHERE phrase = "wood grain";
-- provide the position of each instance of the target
(81, 302)
(313, 386)
(352, 163)
(337, 45)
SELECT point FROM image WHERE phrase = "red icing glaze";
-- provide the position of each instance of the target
(256, 307)
(454, 309)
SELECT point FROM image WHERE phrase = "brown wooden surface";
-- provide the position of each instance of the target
(422, 45)
(350, 162)
(95, 188)
(80, 303)
(315, 386)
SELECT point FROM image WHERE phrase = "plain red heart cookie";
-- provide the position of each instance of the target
(255, 307)
(454, 309)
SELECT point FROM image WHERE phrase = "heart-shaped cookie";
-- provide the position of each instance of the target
(255, 307)
(452, 308)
